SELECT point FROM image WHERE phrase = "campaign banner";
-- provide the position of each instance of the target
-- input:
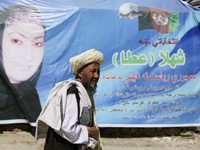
(151, 54)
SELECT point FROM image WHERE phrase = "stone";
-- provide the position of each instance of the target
(149, 132)
(171, 131)
(137, 132)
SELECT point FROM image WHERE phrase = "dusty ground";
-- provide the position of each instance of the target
(22, 140)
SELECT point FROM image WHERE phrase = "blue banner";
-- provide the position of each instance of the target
(151, 49)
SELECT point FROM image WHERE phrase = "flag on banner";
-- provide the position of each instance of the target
(160, 20)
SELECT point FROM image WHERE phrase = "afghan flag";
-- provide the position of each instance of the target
(160, 20)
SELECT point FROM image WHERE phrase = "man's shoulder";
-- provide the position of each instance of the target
(72, 90)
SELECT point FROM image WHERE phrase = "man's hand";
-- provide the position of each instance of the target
(93, 132)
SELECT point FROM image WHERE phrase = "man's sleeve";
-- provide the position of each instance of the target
(70, 129)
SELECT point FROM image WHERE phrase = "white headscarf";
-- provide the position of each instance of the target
(85, 58)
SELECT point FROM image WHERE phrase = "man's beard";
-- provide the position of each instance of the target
(88, 86)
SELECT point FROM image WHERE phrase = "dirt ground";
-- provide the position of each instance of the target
(23, 140)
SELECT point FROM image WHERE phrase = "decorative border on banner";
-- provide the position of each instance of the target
(149, 125)
(17, 121)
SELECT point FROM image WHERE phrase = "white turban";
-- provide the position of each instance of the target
(85, 58)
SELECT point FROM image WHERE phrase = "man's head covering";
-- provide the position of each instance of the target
(87, 57)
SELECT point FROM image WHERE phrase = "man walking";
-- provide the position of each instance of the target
(69, 112)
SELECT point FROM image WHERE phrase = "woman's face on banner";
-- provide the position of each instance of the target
(22, 50)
